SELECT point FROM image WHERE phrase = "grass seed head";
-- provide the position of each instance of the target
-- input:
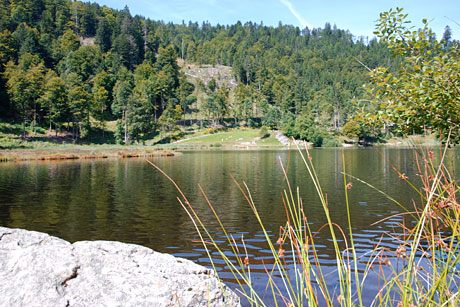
(340, 299)
(401, 251)
(281, 252)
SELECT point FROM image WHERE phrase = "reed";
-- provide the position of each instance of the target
(422, 271)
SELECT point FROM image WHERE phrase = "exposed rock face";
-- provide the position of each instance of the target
(40, 270)
(282, 139)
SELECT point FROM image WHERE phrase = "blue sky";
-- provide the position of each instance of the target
(357, 16)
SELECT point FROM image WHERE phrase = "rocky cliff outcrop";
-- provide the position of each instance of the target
(40, 270)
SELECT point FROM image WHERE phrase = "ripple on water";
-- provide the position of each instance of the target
(127, 200)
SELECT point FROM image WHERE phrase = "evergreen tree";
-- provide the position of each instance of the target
(102, 90)
(103, 35)
(447, 36)
(140, 113)
(277, 69)
(79, 100)
(122, 97)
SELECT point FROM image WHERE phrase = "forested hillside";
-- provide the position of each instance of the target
(77, 65)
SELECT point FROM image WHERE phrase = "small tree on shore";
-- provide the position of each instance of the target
(352, 129)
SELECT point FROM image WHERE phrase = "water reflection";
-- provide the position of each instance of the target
(129, 201)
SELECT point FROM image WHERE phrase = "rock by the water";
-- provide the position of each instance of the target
(40, 270)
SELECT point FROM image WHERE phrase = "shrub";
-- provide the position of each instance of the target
(263, 133)
(352, 129)
(332, 142)
(210, 130)
(316, 135)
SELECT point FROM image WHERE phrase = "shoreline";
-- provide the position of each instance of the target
(82, 153)
(90, 152)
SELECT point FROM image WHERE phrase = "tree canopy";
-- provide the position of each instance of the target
(124, 68)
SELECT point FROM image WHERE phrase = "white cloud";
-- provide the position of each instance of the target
(302, 21)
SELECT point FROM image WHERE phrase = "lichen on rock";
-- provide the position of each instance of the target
(40, 270)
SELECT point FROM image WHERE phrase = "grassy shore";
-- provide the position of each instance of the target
(239, 138)
(68, 152)
(42, 145)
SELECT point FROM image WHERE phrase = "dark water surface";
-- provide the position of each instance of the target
(129, 201)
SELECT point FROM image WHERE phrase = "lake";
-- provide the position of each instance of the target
(130, 201)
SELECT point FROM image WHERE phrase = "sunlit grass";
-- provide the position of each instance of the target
(234, 137)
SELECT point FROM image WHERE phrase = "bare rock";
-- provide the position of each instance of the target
(40, 270)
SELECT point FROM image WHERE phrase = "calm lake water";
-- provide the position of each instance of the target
(129, 201)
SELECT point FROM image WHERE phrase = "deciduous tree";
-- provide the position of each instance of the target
(54, 99)
(425, 90)
(25, 86)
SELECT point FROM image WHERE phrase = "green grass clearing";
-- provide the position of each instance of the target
(237, 137)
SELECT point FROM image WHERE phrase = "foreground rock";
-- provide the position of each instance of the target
(40, 270)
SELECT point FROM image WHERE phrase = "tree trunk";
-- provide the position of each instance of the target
(24, 127)
(126, 126)
(89, 127)
(102, 121)
(35, 118)
(338, 119)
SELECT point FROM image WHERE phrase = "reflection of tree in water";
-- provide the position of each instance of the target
(128, 200)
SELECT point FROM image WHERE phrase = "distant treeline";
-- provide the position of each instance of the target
(69, 62)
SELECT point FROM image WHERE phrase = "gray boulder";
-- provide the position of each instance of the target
(40, 270)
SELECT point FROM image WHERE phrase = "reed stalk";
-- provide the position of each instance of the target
(422, 271)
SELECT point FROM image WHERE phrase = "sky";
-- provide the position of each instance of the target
(358, 16)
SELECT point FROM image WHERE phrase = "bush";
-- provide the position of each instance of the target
(252, 123)
(352, 129)
(332, 142)
(210, 130)
(316, 136)
(264, 133)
